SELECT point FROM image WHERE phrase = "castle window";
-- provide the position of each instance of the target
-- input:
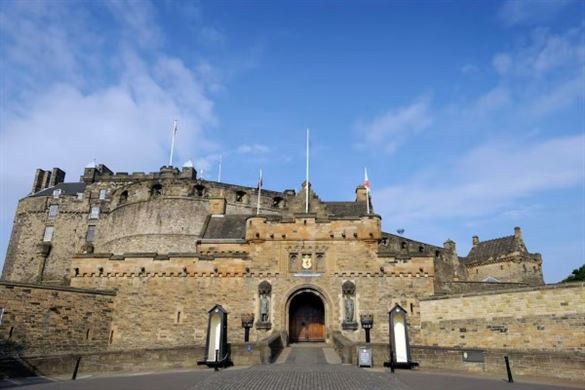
(48, 235)
(240, 195)
(411, 308)
(277, 202)
(94, 213)
(53, 210)
(87, 335)
(156, 191)
(421, 249)
(103, 194)
(57, 193)
(199, 190)
(403, 245)
(123, 197)
(178, 317)
(90, 235)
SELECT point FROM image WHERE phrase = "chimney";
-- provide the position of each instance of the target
(517, 233)
(45, 180)
(475, 240)
(38, 181)
(57, 177)
(361, 194)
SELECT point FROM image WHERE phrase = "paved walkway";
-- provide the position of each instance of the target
(302, 366)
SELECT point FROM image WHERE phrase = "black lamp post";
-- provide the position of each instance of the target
(247, 323)
(367, 321)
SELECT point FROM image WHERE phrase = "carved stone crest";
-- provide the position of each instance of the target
(307, 262)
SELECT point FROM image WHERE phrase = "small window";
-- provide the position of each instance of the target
(240, 196)
(95, 212)
(48, 236)
(403, 245)
(57, 193)
(123, 197)
(90, 236)
(156, 191)
(421, 249)
(53, 210)
(80, 196)
(103, 194)
(277, 202)
(199, 190)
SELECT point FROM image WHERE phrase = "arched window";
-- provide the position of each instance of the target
(403, 245)
(156, 191)
(123, 197)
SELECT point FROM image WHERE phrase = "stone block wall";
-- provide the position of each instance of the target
(547, 318)
(41, 320)
(525, 269)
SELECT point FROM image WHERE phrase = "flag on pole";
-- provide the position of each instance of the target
(307, 177)
(173, 143)
(367, 185)
(259, 191)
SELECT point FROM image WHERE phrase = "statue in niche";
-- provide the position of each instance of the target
(264, 308)
(349, 308)
(348, 291)
(264, 291)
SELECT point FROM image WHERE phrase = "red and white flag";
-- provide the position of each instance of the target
(367, 186)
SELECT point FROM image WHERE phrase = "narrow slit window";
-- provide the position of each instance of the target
(48, 235)
(90, 236)
(95, 212)
(178, 317)
(53, 211)
(111, 336)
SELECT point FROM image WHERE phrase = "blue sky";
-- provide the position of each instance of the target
(470, 116)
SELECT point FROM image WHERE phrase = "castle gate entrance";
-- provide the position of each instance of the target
(306, 318)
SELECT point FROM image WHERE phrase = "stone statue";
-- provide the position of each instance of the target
(349, 308)
(264, 308)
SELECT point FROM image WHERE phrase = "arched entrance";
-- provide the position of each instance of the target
(306, 318)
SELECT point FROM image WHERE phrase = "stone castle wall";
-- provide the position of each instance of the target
(514, 269)
(547, 318)
(41, 320)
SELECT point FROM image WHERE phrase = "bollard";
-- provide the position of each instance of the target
(510, 379)
(76, 369)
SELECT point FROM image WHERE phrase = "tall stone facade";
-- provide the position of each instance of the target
(172, 246)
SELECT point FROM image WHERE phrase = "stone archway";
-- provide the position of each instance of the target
(307, 314)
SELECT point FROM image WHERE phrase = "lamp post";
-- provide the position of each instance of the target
(367, 321)
(247, 323)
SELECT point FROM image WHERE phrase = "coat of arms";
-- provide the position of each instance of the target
(306, 264)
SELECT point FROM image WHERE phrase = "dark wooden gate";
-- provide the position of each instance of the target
(307, 318)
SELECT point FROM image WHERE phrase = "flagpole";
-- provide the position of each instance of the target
(173, 143)
(219, 173)
(367, 190)
(259, 191)
(307, 178)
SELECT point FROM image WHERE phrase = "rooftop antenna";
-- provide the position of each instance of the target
(219, 168)
(173, 143)
(307, 178)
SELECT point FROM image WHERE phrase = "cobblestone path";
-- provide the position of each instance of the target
(305, 368)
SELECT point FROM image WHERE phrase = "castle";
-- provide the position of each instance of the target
(129, 262)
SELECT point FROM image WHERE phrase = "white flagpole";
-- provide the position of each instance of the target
(173, 143)
(307, 178)
(259, 191)
(367, 183)
(219, 172)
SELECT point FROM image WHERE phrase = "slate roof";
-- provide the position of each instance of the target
(391, 245)
(226, 227)
(497, 247)
(66, 188)
(346, 209)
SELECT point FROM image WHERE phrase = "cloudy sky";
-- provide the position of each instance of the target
(468, 115)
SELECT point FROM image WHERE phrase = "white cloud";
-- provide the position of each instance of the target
(527, 12)
(489, 179)
(390, 129)
(253, 149)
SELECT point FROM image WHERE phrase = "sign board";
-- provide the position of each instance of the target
(365, 356)
(474, 356)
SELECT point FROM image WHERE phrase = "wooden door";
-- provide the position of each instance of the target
(307, 321)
